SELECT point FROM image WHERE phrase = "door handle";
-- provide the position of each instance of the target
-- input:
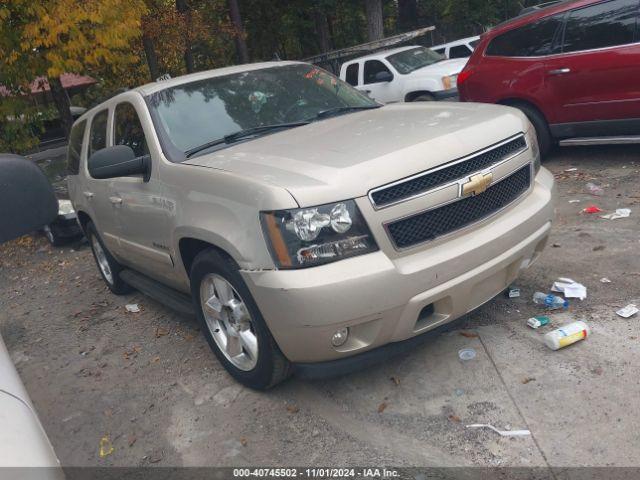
(115, 200)
(89, 195)
(559, 71)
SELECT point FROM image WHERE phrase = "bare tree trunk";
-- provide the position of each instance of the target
(375, 26)
(185, 11)
(322, 29)
(407, 15)
(241, 44)
(152, 57)
(63, 105)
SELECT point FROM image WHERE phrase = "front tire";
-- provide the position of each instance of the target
(232, 323)
(108, 266)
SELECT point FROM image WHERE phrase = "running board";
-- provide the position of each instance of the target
(623, 140)
(169, 297)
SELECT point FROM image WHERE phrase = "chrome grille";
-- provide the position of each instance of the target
(419, 184)
(426, 226)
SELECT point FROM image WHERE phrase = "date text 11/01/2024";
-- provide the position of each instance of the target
(315, 473)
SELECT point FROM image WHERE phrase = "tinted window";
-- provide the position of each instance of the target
(98, 133)
(128, 129)
(527, 41)
(473, 43)
(371, 68)
(603, 25)
(75, 147)
(352, 74)
(461, 51)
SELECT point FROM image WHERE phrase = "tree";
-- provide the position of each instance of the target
(239, 38)
(407, 15)
(51, 37)
(375, 23)
(187, 25)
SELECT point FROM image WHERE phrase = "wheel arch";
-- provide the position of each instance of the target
(409, 97)
(515, 101)
(190, 247)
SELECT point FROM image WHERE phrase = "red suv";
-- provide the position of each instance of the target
(573, 69)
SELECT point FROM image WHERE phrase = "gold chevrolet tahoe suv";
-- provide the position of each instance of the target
(308, 227)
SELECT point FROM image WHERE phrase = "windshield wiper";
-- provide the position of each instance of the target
(341, 110)
(239, 135)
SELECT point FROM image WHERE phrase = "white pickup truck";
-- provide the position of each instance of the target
(406, 74)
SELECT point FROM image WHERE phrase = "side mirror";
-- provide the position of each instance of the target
(118, 161)
(384, 76)
(27, 201)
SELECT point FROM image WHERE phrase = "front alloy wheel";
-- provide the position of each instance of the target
(229, 322)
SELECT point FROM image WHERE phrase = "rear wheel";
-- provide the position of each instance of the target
(108, 266)
(232, 323)
(545, 141)
(423, 97)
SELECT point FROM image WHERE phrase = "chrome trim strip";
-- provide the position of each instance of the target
(446, 165)
(385, 225)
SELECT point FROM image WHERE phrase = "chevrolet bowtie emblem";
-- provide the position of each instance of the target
(477, 184)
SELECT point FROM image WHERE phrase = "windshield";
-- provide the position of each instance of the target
(200, 112)
(409, 60)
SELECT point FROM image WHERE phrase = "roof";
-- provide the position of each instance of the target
(154, 87)
(385, 53)
(538, 14)
(41, 84)
(462, 41)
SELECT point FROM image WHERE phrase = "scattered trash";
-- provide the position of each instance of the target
(455, 418)
(467, 354)
(594, 189)
(598, 248)
(512, 292)
(592, 209)
(574, 201)
(502, 433)
(628, 311)
(293, 409)
(106, 448)
(132, 308)
(469, 334)
(382, 407)
(552, 302)
(566, 335)
(605, 280)
(619, 213)
(395, 380)
(243, 441)
(528, 379)
(458, 392)
(161, 332)
(556, 245)
(574, 169)
(570, 288)
(537, 322)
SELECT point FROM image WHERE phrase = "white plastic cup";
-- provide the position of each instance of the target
(567, 335)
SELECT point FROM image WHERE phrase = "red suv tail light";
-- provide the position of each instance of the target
(464, 75)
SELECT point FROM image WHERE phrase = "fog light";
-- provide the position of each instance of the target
(340, 337)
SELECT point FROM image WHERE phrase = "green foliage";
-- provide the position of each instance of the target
(20, 124)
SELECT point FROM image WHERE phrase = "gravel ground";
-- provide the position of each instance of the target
(148, 384)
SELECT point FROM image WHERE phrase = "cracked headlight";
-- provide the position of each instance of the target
(304, 237)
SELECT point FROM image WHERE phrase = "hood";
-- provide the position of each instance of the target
(445, 67)
(345, 157)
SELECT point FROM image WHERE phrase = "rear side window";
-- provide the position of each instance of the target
(473, 43)
(439, 50)
(75, 147)
(128, 129)
(530, 40)
(352, 74)
(459, 51)
(98, 132)
(603, 25)
(371, 68)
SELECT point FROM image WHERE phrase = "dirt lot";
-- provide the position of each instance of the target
(149, 385)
